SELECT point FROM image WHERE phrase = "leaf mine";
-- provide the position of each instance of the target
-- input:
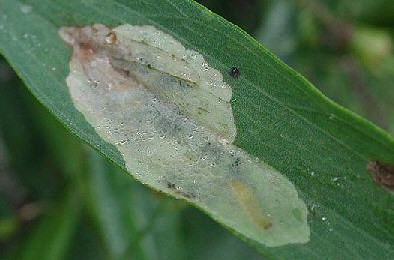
(169, 115)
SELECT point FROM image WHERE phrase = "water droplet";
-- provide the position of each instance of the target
(324, 218)
(204, 66)
(26, 9)
(122, 142)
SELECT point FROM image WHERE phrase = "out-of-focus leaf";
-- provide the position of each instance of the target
(133, 222)
(277, 32)
(206, 240)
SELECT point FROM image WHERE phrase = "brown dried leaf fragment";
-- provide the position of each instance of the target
(382, 173)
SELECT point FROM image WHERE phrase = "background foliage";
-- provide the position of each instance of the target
(61, 200)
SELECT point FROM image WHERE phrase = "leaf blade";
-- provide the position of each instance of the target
(280, 117)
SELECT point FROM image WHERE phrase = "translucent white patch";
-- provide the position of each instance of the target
(169, 114)
(26, 9)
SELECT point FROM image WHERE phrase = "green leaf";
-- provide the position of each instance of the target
(280, 117)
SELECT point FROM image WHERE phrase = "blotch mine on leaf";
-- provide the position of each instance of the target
(169, 115)
(382, 173)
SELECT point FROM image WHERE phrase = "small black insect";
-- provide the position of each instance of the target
(234, 72)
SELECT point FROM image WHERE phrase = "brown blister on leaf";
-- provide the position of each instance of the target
(91, 48)
(85, 52)
(382, 173)
(84, 47)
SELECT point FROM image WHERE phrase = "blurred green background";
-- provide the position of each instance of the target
(59, 199)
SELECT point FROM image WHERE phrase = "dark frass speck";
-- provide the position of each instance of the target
(234, 72)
